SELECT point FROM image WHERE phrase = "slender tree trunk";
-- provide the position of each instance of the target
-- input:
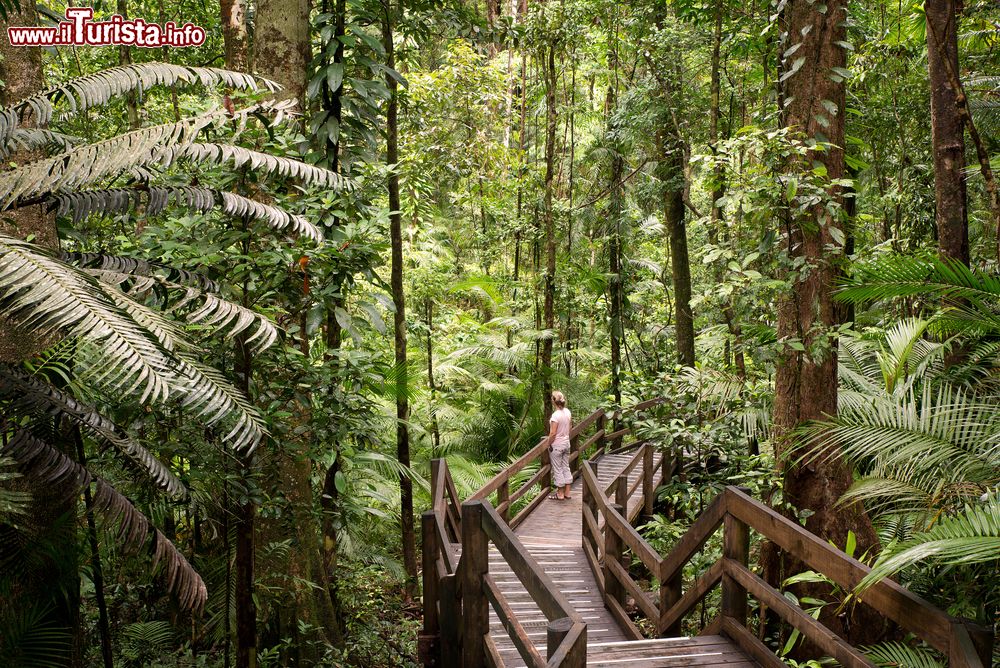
(680, 265)
(125, 58)
(103, 625)
(947, 132)
(246, 516)
(616, 326)
(551, 119)
(233, 17)
(399, 317)
(806, 380)
(429, 311)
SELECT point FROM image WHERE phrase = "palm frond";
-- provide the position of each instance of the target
(140, 267)
(99, 88)
(28, 395)
(26, 139)
(969, 537)
(48, 465)
(900, 655)
(208, 394)
(39, 291)
(155, 199)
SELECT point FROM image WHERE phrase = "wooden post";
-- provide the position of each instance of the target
(451, 616)
(621, 495)
(472, 568)
(503, 497)
(602, 427)
(670, 593)
(574, 446)
(612, 553)
(735, 546)
(590, 502)
(969, 639)
(647, 480)
(556, 632)
(430, 638)
(546, 481)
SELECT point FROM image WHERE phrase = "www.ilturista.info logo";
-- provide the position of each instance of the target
(79, 28)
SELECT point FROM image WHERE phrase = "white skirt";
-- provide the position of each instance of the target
(559, 458)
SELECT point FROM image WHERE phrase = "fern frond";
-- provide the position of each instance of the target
(900, 655)
(237, 156)
(970, 537)
(208, 394)
(48, 465)
(26, 139)
(155, 199)
(139, 267)
(99, 88)
(42, 293)
(29, 395)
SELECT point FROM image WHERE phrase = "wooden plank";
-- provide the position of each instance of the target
(595, 566)
(635, 542)
(618, 434)
(590, 527)
(526, 487)
(638, 595)
(543, 591)
(493, 658)
(624, 621)
(750, 644)
(902, 606)
(826, 640)
(672, 617)
(508, 618)
(597, 435)
(542, 494)
(429, 552)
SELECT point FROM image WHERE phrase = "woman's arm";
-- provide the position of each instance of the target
(551, 438)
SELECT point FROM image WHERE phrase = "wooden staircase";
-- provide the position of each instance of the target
(513, 578)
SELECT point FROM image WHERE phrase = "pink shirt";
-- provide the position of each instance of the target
(564, 423)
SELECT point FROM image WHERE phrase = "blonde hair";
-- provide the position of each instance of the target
(559, 399)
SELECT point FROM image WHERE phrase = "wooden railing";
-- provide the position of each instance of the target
(608, 533)
(461, 588)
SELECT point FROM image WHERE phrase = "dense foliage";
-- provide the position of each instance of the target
(249, 289)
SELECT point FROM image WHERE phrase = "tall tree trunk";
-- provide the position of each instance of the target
(616, 326)
(947, 132)
(333, 104)
(399, 317)
(718, 186)
(281, 49)
(806, 380)
(54, 583)
(246, 520)
(551, 118)
(125, 58)
(680, 264)
(233, 17)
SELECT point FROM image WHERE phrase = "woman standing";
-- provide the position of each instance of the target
(558, 441)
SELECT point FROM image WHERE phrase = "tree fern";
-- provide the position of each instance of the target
(900, 655)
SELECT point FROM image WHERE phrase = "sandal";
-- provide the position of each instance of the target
(555, 498)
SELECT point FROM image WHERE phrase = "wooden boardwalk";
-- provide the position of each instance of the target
(552, 533)
(513, 578)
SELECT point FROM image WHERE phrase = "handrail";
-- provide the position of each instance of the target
(737, 513)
